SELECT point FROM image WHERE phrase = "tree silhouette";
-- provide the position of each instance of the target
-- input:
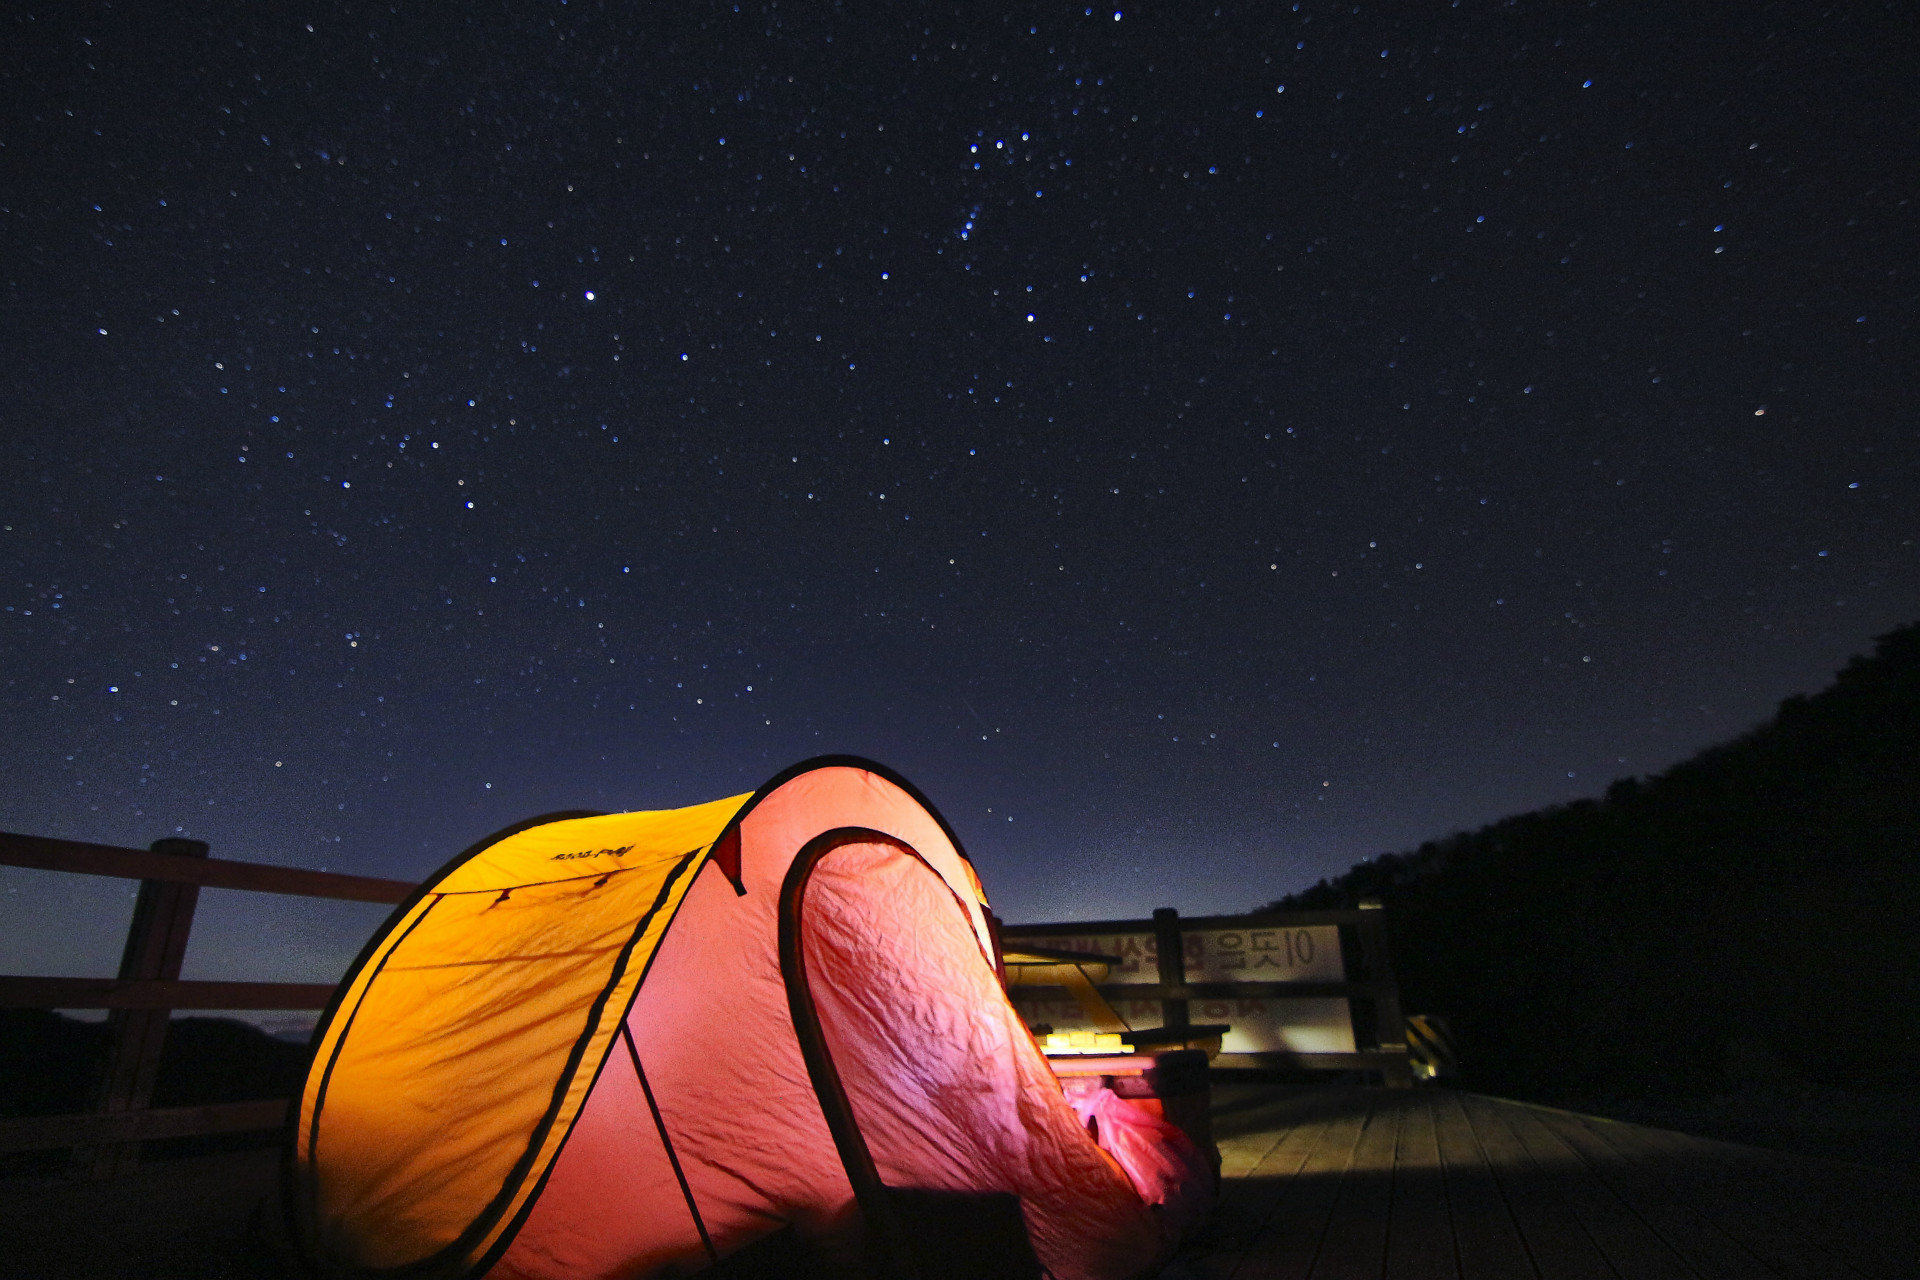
(1747, 918)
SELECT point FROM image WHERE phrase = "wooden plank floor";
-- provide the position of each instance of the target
(1431, 1184)
(1329, 1182)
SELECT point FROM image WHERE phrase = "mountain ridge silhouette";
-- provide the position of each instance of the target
(1744, 921)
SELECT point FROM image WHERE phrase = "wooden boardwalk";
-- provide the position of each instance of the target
(1375, 1184)
(1326, 1183)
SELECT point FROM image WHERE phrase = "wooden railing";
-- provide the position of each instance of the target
(149, 988)
(172, 873)
(1366, 982)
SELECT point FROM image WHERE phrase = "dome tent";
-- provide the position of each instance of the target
(644, 1044)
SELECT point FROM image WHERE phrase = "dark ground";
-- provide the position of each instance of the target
(202, 1216)
(1881, 1131)
(169, 1220)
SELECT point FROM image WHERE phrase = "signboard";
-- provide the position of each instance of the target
(1308, 953)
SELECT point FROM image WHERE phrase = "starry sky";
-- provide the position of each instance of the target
(1200, 447)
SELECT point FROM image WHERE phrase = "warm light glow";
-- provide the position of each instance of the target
(1068, 1042)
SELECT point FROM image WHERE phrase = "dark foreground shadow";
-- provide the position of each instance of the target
(1370, 1183)
(181, 1219)
(1373, 1183)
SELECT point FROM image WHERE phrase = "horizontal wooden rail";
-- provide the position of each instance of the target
(1013, 933)
(126, 993)
(1389, 1057)
(43, 853)
(149, 988)
(41, 1133)
(1226, 990)
(1389, 1060)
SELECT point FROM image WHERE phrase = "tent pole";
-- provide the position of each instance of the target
(868, 1190)
(673, 1158)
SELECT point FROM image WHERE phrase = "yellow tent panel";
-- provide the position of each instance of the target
(462, 1040)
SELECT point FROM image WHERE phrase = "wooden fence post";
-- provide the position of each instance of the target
(1171, 953)
(1390, 1028)
(156, 944)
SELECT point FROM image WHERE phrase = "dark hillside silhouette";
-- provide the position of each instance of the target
(1748, 920)
(49, 1063)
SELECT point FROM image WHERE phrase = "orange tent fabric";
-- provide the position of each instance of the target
(573, 1052)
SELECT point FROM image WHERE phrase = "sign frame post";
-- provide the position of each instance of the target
(1171, 956)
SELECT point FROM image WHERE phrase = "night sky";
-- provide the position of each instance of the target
(1199, 447)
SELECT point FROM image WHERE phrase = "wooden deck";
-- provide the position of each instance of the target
(1333, 1184)
(1329, 1183)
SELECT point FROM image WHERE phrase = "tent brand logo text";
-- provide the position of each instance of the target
(621, 852)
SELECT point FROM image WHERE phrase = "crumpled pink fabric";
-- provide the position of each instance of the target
(1161, 1161)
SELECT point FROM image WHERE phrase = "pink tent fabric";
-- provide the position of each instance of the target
(944, 1080)
(1161, 1161)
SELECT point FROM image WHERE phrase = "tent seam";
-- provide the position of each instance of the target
(518, 1174)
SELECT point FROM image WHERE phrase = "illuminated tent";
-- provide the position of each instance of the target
(641, 1044)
